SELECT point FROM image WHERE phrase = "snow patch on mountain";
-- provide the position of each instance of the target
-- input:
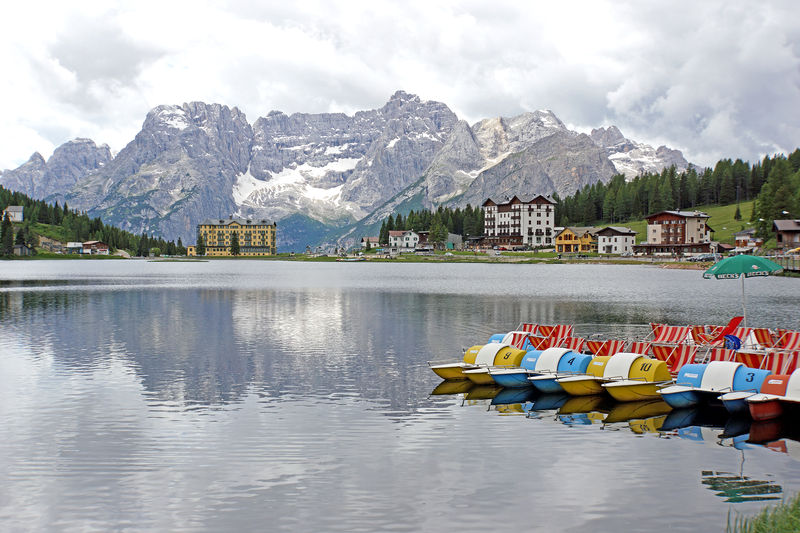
(247, 189)
(173, 116)
(632, 158)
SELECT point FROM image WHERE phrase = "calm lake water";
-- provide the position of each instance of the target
(278, 396)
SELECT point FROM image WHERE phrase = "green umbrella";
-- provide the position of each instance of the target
(742, 266)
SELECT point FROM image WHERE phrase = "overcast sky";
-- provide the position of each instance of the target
(713, 78)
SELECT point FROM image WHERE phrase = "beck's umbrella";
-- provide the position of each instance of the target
(742, 266)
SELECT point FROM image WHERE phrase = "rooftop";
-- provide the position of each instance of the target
(685, 214)
(231, 220)
(508, 200)
(787, 225)
(621, 230)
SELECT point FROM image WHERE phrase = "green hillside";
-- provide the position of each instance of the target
(721, 221)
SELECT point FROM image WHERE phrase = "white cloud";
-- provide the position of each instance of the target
(714, 79)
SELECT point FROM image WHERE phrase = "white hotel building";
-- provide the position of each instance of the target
(518, 223)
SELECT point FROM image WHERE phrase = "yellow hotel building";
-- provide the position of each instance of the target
(256, 237)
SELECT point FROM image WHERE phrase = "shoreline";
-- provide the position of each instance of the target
(526, 258)
(402, 259)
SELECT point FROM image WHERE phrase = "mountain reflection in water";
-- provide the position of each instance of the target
(219, 395)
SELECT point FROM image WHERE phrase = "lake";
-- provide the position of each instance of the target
(289, 396)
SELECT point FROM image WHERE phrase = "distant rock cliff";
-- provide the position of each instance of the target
(70, 162)
(632, 158)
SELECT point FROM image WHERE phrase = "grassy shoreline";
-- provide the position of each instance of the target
(781, 518)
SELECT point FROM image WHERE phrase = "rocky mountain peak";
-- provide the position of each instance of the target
(455, 166)
(166, 116)
(501, 136)
(403, 96)
(632, 158)
(671, 157)
(69, 163)
(34, 160)
(608, 137)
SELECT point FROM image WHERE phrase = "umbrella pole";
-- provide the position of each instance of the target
(744, 308)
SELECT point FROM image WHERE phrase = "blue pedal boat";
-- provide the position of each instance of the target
(569, 364)
(706, 383)
(746, 383)
(517, 377)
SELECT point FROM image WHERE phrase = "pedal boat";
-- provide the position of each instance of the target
(644, 378)
(726, 381)
(491, 356)
(569, 363)
(779, 393)
(455, 370)
(601, 369)
(514, 378)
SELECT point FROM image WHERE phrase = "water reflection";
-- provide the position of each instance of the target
(737, 488)
(707, 423)
(256, 391)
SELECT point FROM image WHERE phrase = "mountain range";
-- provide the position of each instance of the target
(324, 177)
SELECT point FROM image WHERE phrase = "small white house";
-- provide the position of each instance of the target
(374, 242)
(14, 213)
(403, 240)
(615, 240)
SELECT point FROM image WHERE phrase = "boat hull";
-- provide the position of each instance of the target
(451, 370)
(627, 391)
(547, 385)
(736, 402)
(581, 387)
(680, 397)
(765, 410)
(479, 376)
(515, 380)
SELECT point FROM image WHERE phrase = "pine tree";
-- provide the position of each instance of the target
(469, 223)
(201, 245)
(235, 244)
(7, 236)
(383, 235)
(609, 205)
(438, 232)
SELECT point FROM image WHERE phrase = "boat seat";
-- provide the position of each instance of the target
(719, 376)
(620, 365)
(548, 361)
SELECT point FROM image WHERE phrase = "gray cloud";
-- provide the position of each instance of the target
(716, 79)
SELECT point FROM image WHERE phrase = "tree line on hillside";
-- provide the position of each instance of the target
(729, 182)
(439, 222)
(74, 226)
(774, 184)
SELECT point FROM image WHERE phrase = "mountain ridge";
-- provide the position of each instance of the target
(198, 160)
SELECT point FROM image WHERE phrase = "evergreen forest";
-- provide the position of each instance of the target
(64, 224)
(773, 182)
